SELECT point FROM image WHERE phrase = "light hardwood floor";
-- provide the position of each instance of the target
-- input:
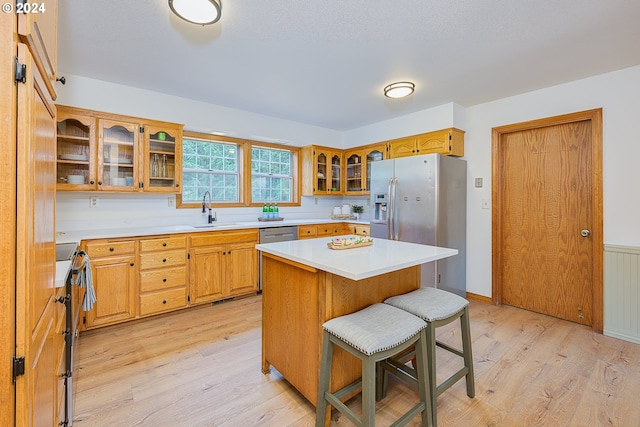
(201, 367)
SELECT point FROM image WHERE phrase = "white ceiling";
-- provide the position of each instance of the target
(325, 63)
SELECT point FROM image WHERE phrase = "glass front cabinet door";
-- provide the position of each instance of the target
(76, 162)
(354, 172)
(162, 153)
(373, 154)
(118, 155)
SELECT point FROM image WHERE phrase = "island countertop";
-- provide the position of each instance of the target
(383, 256)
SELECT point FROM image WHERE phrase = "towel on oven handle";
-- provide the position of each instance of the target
(84, 279)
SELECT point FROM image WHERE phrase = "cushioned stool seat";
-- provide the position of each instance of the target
(437, 308)
(372, 334)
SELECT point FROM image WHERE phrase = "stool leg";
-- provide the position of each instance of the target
(430, 332)
(368, 391)
(422, 369)
(466, 350)
(323, 384)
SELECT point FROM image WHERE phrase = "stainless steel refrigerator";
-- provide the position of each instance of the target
(423, 199)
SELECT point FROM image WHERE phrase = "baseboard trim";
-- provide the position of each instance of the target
(480, 298)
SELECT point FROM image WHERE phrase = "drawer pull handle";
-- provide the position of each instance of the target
(164, 260)
(111, 249)
(164, 280)
(164, 244)
(164, 301)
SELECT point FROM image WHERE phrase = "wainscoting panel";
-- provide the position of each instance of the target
(622, 292)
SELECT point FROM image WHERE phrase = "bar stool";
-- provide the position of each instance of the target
(437, 308)
(372, 334)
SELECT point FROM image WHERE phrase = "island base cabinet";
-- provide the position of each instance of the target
(298, 299)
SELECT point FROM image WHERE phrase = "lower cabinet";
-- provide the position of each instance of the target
(312, 231)
(114, 280)
(222, 264)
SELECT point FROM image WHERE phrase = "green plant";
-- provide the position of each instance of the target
(357, 209)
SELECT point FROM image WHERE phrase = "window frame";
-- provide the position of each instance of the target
(244, 171)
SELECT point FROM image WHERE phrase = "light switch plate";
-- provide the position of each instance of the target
(478, 182)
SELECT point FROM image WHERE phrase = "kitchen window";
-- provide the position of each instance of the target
(271, 175)
(237, 172)
(210, 165)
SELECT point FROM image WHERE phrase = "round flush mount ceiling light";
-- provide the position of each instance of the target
(399, 89)
(201, 12)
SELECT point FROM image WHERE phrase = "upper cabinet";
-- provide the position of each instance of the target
(448, 142)
(38, 29)
(163, 149)
(105, 152)
(358, 167)
(321, 171)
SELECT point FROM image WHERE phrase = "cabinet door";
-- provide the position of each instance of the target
(162, 160)
(118, 155)
(354, 176)
(206, 274)
(434, 142)
(114, 281)
(336, 172)
(402, 148)
(322, 169)
(241, 267)
(76, 144)
(373, 154)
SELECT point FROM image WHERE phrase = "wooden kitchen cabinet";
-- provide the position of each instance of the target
(163, 274)
(358, 167)
(311, 231)
(113, 265)
(222, 264)
(321, 171)
(109, 152)
(359, 229)
(447, 141)
(76, 166)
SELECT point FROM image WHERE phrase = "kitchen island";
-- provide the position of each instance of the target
(305, 284)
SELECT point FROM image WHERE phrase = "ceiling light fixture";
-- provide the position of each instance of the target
(201, 12)
(399, 89)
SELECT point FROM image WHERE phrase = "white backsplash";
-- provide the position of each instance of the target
(73, 211)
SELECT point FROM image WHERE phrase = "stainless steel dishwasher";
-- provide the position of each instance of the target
(276, 234)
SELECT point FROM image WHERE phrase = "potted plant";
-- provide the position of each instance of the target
(357, 210)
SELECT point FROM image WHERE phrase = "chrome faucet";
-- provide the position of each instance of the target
(210, 219)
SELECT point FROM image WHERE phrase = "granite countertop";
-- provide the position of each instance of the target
(383, 256)
(65, 236)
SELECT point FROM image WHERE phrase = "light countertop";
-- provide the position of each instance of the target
(65, 236)
(62, 267)
(383, 256)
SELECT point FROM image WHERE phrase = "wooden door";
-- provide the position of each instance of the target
(548, 213)
(35, 249)
(115, 279)
(241, 267)
(205, 270)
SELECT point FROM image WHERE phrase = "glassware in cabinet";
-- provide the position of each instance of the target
(162, 158)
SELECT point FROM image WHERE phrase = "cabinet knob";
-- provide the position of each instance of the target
(164, 301)
(131, 264)
(111, 249)
(164, 260)
(164, 244)
(92, 182)
(99, 182)
(177, 185)
(164, 280)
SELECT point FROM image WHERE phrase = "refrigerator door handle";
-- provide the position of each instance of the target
(393, 221)
(396, 222)
(390, 210)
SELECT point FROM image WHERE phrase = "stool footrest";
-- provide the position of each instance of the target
(406, 418)
(449, 348)
(451, 380)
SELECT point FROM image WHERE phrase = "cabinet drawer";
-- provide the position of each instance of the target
(157, 302)
(223, 237)
(155, 280)
(162, 259)
(307, 231)
(362, 230)
(102, 249)
(329, 230)
(151, 245)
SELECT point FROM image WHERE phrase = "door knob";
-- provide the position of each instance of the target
(585, 233)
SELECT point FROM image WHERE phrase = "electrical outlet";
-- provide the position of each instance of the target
(171, 201)
(93, 201)
(486, 203)
(478, 182)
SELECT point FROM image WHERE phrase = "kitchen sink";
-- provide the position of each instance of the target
(213, 225)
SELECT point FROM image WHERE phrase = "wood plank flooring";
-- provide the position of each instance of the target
(201, 367)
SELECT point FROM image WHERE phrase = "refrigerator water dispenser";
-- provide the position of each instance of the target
(380, 207)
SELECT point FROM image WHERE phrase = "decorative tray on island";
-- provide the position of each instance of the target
(349, 242)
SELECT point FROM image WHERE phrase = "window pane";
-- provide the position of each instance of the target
(271, 177)
(210, 166)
